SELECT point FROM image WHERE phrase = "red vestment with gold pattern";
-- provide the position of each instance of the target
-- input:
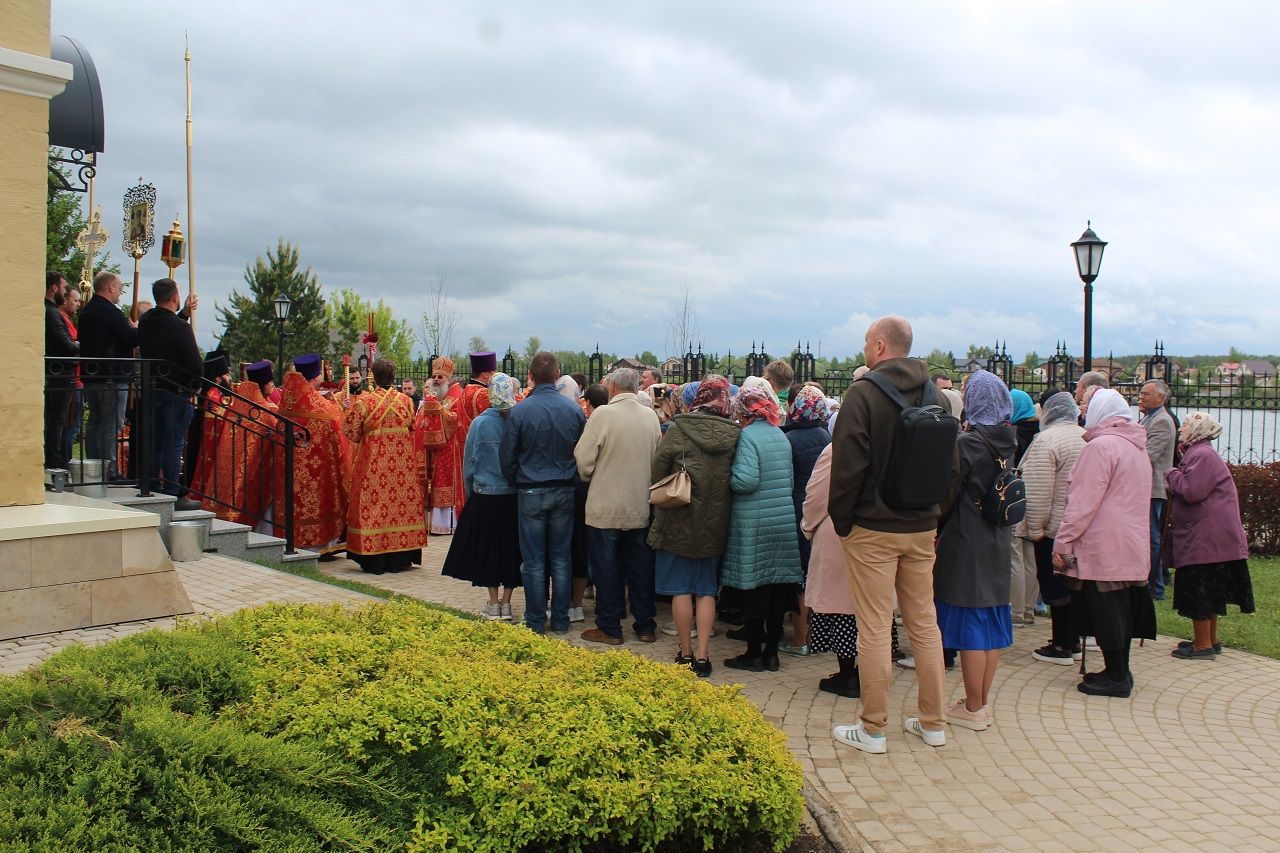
(321, 467)
(212, 409)
(385, 513)
(243, 481)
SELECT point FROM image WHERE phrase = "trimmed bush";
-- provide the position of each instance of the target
(1259, 489)
(395, 726)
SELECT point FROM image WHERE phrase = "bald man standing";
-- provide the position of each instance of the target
(887, 547)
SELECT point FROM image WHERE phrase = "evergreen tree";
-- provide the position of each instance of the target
(249, 320)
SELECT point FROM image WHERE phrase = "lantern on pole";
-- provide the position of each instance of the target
(173, 247)
(1088, 251)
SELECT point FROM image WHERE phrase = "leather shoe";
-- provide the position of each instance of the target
(846, 687)
(186, 505)
(1105, 686)
(595, 635)
(750, 664)
(645, 637)
(771, 663)
(739, 634)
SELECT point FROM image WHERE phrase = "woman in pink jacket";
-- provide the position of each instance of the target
(832, 626)
(1207, 540)
(1102, 550)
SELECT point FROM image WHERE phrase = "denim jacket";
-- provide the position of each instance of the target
(537, 448)
(481, 463)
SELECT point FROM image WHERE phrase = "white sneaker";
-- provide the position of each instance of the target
(504, 611)
(575, 614)
(911, 725)
(670, 630)
(1091, 642)
(493, 611)
(857, 738)
(908, 662)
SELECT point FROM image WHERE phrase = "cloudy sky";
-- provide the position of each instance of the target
(801, 167)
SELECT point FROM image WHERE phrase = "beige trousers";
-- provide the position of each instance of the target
(880, 564)
(1024, 589)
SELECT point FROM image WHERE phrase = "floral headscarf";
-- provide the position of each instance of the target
(712, 397)
(1198, 426)
(763, 384)
(688, 393)
(753, 404)
(809, 406)
(568, 388)
(986, 400)
(502, 391)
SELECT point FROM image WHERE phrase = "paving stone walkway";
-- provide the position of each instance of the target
(1191, 762)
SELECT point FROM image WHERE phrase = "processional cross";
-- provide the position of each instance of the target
(92, 237)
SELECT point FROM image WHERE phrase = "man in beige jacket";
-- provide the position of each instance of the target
(615, 455)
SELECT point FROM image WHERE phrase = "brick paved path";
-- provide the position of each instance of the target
(1191, 762)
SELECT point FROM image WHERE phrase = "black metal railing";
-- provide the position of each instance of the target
(247, 477)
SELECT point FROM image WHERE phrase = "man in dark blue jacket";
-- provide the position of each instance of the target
(60, 382)
(537, 458)
(105, 332)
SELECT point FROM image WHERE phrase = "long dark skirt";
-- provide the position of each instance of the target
(1113, 618)
(1202, 592)
(769, 600)
(1052, 590)
(579, 547)
(393, 561)
(486, 544)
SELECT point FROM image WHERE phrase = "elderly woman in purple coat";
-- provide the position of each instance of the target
(1207, 540)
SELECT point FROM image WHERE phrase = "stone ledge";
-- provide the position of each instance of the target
(64, 514)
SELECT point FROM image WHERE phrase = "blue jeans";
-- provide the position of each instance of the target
(546, 544)
(170, 417)
(620, 559)
(1155, 582)
(106, 404)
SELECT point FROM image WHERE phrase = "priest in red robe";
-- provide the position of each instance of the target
(248, 452)
(443, 468)
(321, 464)
(385, 529)
(210, 417)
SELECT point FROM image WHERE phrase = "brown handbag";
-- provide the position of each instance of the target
(672, 491)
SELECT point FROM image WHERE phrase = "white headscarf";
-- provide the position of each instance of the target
(567, 387)
(763, 384)
(1105, 404)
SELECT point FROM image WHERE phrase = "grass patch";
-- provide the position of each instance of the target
(1258, 633)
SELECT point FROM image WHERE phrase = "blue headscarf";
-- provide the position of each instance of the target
(688, 393)
(1023, 408)
(986, 400)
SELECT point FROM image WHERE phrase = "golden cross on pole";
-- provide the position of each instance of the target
(91, 238)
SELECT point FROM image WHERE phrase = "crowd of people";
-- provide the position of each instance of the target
(956, 513)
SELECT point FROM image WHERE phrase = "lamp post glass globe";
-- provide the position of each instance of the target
(283, 304)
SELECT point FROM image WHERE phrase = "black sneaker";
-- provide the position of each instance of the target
(743, 661)
(1052, 654)
(683, 659)
(846, 687)
(1105, 686)
(701, 667)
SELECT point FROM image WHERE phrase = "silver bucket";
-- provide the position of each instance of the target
(187, 540)
(90, 471)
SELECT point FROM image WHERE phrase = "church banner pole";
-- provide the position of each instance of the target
(191, 229)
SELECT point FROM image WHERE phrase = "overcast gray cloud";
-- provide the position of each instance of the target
(568, 167)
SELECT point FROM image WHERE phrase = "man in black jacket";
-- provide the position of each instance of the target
(59, 376)
(164, 336)
(105, 332)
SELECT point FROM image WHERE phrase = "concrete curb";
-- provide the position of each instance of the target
(840, 836)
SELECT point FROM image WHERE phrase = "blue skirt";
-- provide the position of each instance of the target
(975, 629)
(677, 575)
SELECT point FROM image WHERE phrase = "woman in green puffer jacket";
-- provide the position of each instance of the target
(762, 557)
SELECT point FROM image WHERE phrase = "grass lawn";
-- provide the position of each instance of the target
(1258, 633)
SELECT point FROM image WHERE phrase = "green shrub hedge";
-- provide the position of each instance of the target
(395, 726)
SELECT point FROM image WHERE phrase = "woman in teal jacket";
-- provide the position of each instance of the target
(762, 557)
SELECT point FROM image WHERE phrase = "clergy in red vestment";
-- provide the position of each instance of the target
(321, 464)
(443, 468)
(210, 413)
(244, 472)
(385, 529)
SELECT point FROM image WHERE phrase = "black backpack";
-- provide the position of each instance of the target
(918, 474)
(1005, 503)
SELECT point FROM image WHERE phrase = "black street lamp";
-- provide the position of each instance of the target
(282, 305)
(1088, 261)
